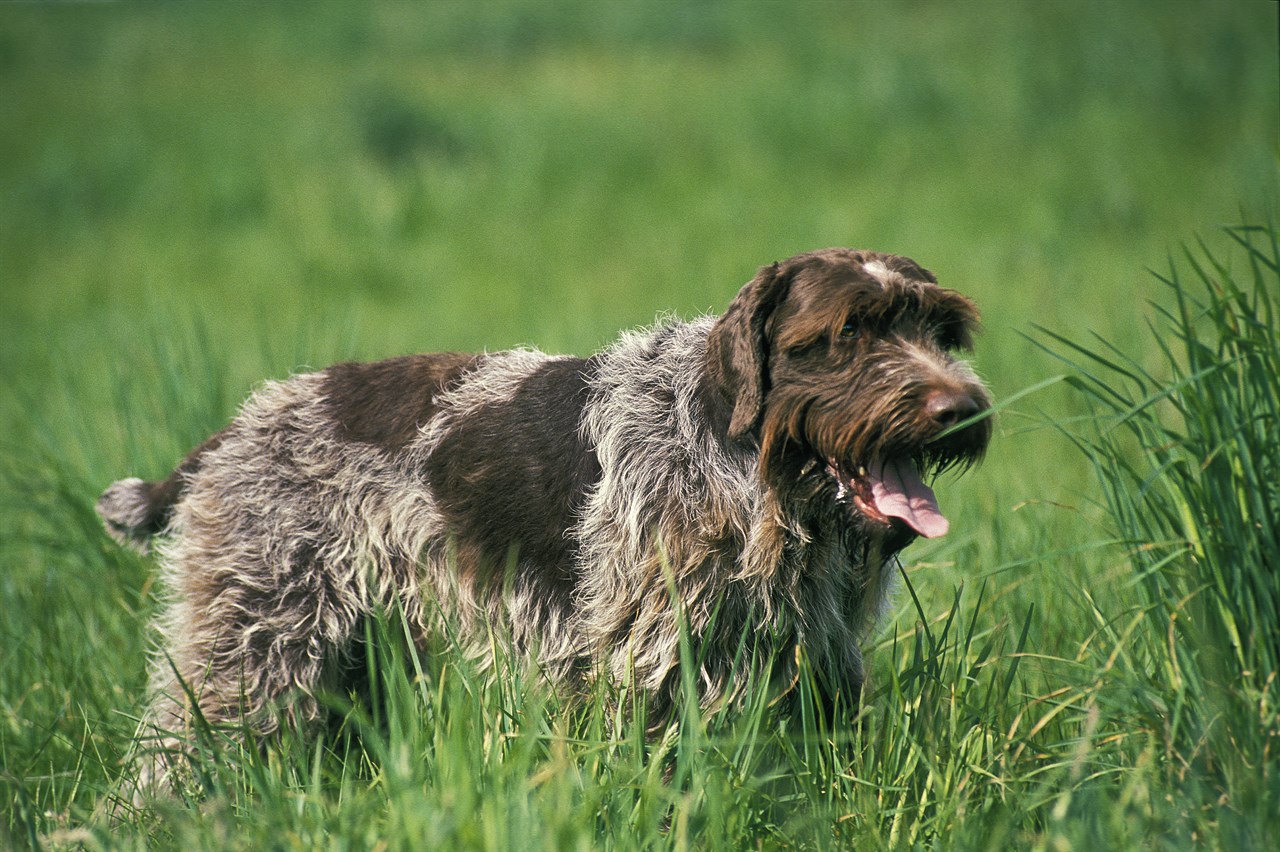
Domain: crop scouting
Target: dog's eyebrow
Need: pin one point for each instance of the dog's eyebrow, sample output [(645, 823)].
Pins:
[(952, 316), (948, 315)]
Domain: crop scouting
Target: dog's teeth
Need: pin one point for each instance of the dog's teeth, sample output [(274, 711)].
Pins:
[(862, 470)]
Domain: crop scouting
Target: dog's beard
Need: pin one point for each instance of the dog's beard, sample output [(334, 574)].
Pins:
[(881, 484), (874, 468)]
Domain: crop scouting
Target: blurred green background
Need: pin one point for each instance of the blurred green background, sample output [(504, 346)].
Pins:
[(262, 188), (195, 196), (464, 175)]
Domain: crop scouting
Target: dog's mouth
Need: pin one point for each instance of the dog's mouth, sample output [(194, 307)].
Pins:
[(891, 489)]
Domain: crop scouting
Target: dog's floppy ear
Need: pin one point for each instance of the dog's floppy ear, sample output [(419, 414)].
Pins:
[(738, 347)]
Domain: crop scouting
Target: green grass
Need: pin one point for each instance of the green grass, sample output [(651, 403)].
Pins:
[(1189, 466), (196, 198)]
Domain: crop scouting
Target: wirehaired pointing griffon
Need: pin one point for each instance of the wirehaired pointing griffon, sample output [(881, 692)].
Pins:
[(752, 475)]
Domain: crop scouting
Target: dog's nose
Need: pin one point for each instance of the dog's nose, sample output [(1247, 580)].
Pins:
[(948, 407)]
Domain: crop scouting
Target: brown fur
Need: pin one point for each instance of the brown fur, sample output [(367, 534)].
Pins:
[(386, 403)]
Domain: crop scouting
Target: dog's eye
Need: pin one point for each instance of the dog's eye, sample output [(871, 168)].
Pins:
[(850, 330), (953, 338)]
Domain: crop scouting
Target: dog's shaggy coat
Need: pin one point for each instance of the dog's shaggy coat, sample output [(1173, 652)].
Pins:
[(752, 475)]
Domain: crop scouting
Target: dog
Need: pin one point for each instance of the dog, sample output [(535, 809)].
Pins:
[(748, 479)]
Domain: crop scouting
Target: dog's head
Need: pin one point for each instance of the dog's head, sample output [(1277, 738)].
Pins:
[(843, 368)]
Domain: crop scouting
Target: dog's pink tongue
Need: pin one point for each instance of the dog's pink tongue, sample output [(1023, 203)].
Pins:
[(899, 492)]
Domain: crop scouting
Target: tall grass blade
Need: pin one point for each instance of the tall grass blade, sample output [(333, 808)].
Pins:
[(1190, 471)]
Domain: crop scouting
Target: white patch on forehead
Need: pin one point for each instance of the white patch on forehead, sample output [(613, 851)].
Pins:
[(878, 271)]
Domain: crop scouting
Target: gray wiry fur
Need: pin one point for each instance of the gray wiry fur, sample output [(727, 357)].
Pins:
[(670, 481), (283, 532)]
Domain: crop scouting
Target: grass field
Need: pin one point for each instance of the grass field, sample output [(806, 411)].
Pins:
[(198, 196)]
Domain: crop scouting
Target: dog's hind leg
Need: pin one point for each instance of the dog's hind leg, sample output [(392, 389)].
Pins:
[(252, 626)]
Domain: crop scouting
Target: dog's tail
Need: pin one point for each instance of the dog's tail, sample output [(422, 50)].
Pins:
[(134, 510)]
